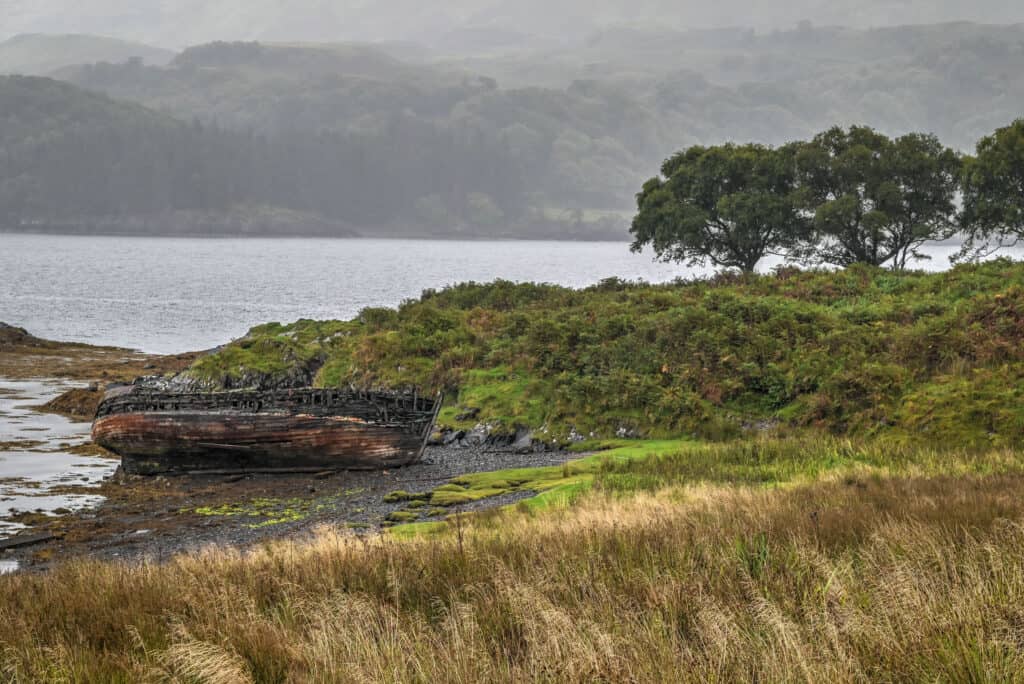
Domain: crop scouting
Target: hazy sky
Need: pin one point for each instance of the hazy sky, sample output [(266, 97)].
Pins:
[(176, 23)]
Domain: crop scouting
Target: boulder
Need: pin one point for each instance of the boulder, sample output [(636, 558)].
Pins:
[(468, 414), (475, 437), (523, 442)]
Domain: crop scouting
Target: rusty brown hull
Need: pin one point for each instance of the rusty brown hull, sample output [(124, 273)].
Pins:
[(177, 441)]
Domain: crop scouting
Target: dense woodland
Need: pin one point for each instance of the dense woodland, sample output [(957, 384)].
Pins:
[(484, 141)]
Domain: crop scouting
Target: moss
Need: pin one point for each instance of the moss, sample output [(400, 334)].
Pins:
[(402, 495), (453, 487), (568, 478), (268, 511), (402, 516)]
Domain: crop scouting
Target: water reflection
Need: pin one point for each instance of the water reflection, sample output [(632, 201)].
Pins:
[(38, 472)]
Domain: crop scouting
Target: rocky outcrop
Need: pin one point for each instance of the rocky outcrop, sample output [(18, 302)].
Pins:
[(522, 441), (13, 335)]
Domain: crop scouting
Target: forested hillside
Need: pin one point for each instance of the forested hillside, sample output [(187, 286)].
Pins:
[(78, 160), (492, 144), (400, 140)]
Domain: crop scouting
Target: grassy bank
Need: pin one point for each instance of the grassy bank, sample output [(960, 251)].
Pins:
[(856, 352), (667, 568)]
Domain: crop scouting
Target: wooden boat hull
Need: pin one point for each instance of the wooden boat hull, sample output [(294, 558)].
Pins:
[(302, 431), (181, 442)]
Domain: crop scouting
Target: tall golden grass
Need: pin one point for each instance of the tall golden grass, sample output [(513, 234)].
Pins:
[(849, 579)]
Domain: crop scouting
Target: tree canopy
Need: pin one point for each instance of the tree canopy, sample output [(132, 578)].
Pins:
[(875, 200), (730, 205), (846, 197), (993, 191)]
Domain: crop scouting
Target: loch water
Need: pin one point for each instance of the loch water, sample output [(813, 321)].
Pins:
[(167, 295)]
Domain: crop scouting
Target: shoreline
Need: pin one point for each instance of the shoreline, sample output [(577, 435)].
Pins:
[(153, 519)]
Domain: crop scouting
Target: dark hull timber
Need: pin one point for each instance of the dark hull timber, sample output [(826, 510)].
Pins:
[(284, 431)]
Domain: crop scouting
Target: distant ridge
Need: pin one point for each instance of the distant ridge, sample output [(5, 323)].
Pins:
[(42, 54), (185, 22)]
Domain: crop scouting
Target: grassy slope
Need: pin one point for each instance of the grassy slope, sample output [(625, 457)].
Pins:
[(860, 352), (664, 570)]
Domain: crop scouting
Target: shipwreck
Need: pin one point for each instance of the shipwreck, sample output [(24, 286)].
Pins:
[(296, 430)]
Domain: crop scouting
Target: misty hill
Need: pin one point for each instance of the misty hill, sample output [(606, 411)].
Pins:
[(81, 161), (398, 140), (458, 147), (185, 22), (39, 55)]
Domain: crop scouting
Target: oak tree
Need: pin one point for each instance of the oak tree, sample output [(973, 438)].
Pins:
[(876, 200), (729, 205)]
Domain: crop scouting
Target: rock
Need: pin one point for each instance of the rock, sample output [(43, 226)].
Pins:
[(468, 414), (453, 436), (475, 437), (10, 334), (523, 442)]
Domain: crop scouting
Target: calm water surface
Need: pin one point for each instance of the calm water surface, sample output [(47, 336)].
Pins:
[(170, 295), (180, 294)]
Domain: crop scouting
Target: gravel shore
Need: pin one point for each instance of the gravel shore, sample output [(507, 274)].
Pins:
[(156, 518)]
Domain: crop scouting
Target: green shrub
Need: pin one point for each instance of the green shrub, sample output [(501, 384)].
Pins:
[(858, 351)]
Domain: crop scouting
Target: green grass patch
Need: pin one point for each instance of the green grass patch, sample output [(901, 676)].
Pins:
[(627, 468), (402, 516), (419, 529), (402, 495)]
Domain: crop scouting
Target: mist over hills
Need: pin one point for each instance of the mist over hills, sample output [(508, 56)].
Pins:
[(41, 54), (177, 23), (487, 119)]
